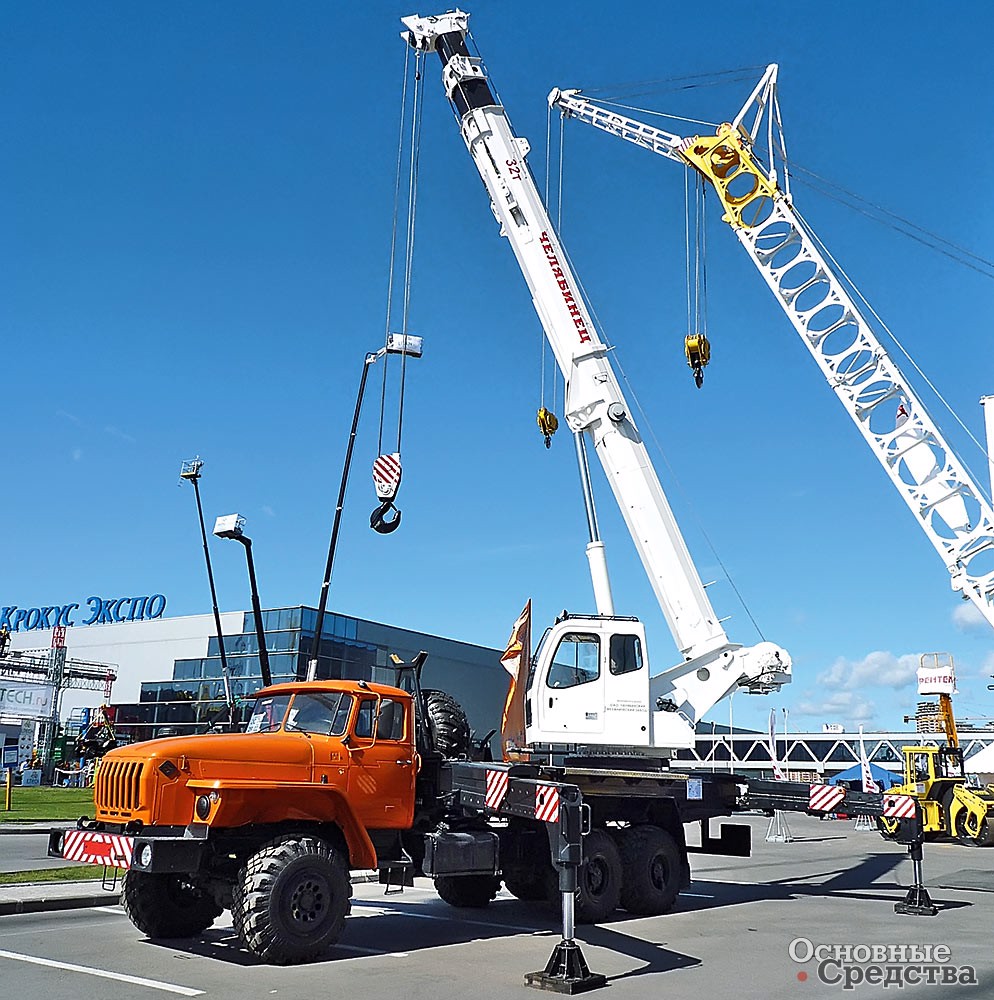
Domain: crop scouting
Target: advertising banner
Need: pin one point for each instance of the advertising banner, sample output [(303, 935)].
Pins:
[(936, 679), (26, 700)]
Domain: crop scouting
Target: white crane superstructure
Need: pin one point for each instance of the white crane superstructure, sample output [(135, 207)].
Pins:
[(603, 695)]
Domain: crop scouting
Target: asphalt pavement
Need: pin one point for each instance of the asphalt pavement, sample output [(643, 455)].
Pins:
[(737, 928)]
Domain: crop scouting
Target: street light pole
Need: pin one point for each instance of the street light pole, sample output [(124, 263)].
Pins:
[(396, 344), (233, 526), (190, 471)]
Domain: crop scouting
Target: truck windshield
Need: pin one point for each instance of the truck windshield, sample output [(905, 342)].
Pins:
[(324, 712), (267, 715)]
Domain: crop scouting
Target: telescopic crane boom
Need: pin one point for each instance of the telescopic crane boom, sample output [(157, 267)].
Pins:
[(600, 658), (947, 504)]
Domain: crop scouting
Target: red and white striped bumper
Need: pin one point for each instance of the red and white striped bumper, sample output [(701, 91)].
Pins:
[(98, 848)]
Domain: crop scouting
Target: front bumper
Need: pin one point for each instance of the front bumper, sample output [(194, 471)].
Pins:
[(147, 851)]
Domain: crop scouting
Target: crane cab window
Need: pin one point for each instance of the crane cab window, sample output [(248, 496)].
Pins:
[(626, 654), (577, 661)]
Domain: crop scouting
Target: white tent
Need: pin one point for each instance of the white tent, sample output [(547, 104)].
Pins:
[(981, 762)]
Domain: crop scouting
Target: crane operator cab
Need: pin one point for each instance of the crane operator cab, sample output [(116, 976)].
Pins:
[(589, 683)]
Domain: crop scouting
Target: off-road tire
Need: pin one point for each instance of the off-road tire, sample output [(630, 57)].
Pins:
[(467, 890), (599, 879), (291, 900), (652, 869), (448, 724), (164, 905)]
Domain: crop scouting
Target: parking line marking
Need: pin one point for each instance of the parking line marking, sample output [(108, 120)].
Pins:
[(154, 984), (118, 911)]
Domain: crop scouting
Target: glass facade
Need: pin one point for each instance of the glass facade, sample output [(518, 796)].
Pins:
[(350, 648)]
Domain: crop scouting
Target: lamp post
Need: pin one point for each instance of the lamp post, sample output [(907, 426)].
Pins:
[(233, 526), (397, 343), (190, 471)]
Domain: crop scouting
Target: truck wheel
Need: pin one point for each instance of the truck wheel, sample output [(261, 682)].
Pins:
[(652, 866), (599, 879), (291, 900), (467, 890), (448, 724), (164, 905)]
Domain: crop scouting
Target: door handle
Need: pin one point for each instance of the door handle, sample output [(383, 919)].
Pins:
[(402, 763)]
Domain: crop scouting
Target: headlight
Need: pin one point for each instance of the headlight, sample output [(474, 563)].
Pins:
[(145, 856), (203, 807)]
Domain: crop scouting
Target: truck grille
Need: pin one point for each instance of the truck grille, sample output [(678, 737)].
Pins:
[(119, 786)]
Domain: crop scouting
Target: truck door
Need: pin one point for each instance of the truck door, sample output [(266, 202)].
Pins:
[(381, 769), (571, 699)]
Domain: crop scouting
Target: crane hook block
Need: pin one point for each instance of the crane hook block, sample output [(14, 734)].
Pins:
[(697, 347), (547, 424), (386, 476), (378, 519)]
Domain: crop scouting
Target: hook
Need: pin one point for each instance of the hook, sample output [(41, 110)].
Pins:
[(378, 521)]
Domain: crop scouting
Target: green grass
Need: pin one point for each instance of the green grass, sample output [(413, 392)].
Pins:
[(39, 805), (71, 873)]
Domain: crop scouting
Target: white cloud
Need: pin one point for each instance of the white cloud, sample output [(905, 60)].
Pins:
[(848, 707), (967, 618), (268, 511), (876, 668), (77, 454)]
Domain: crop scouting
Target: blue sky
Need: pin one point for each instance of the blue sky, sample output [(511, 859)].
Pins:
[(197, 211)]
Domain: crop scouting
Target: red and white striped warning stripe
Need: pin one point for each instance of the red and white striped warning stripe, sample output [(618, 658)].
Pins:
[(824, 798), (496, 789), (386, 475), (899, 806), (547, 803), (98, 848)]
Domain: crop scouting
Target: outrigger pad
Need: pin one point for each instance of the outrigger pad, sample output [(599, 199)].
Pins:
[(917, 903), (566, 972)]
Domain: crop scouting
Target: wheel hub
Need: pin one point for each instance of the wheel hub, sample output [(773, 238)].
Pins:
[(308, 902), (659, 872)]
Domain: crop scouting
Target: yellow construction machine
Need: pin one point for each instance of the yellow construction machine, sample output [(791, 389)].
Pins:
[(935, 775)]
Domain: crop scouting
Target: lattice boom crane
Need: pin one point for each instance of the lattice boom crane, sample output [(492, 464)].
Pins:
[(947, 504)]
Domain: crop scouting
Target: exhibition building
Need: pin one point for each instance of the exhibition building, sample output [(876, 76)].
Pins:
[(164, 675)]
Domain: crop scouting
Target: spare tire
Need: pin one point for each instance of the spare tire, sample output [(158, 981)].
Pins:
[(448, 723)]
